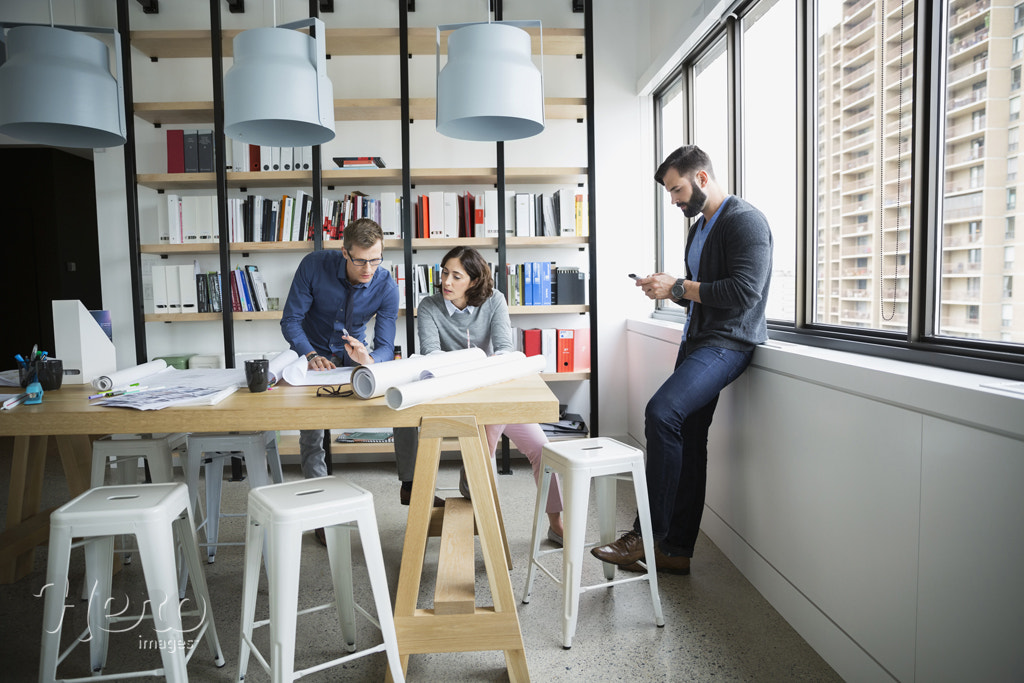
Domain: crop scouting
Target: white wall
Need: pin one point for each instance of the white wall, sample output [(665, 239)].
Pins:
[(875, 504)]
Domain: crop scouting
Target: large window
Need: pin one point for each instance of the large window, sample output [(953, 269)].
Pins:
[(769, 179), (903, 212)]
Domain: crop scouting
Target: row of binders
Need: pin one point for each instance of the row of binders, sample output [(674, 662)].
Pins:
[(191, 151), (186, 289), (536, 283), (450, 214), (564, 350)]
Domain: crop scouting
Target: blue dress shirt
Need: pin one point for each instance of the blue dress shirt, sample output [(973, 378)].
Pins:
[(322, 302)]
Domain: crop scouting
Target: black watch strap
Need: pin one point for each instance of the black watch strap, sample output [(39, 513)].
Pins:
[(678, 290)]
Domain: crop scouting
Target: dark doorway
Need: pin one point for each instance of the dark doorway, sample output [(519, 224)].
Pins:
[(51, 250)]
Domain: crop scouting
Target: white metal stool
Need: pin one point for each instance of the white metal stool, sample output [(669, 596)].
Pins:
[(577, 462), (278, 515), (259, 450), (123, 453), (158, 515)]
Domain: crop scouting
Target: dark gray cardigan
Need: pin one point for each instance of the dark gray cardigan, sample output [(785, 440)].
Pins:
[(735, 271)]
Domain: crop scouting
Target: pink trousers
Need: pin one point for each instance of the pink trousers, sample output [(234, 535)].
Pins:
[(530, 440)]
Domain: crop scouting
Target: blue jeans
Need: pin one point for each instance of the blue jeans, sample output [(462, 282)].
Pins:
[(678, 418)]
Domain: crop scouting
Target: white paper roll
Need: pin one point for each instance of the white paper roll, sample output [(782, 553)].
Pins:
[(123, 378), (279, 362), (454, 369), (369, 381), (414, 393)]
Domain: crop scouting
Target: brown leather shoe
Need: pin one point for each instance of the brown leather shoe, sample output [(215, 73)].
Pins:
[(405, 495), (663, 563), (626, 550)]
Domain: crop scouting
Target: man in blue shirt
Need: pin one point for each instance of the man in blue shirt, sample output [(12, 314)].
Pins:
[(725, 289), (334, 294)]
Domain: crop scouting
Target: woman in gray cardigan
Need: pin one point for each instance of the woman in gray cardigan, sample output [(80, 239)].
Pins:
[(468, 311)]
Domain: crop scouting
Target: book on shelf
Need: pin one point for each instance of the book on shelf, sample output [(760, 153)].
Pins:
[(366, 436), (214, 291), (359, 162), (259, 287), (175, 150), (204, 147), (190, 145)]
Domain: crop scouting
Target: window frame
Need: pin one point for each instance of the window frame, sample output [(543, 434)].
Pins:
[(919, 344)]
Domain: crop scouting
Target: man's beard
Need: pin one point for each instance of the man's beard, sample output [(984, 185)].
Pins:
[(697, 200)]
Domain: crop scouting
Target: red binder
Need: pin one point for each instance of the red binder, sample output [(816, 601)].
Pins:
[(254, 157), (531, 342), (565, 351), (581, 350), (175, 150)]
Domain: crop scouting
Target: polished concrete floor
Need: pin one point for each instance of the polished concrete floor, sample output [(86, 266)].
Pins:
[(717, 626)]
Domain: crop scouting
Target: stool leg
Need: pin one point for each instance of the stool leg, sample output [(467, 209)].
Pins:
[(185, 533), (576, 487), (255, 455), (57, 562), (284, 546), (604, 491), (128, 473), (339, 554), (161, 465), (214, 471), (644, 511), (99, 570), (156, 549), (254, 539), (374, 558), (274, 458), (538, 517), (99, 468)]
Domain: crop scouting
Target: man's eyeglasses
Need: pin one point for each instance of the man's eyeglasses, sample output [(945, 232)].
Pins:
[(333, 391), (363, 262)]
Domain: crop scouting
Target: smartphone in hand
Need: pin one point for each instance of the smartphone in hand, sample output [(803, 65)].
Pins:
[(634, 276)]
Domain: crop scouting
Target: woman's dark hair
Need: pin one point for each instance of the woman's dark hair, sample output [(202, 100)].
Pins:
[(478, 270)]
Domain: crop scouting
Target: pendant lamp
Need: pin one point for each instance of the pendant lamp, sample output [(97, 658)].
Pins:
[(489, 89), (277, 92), (56, 87)]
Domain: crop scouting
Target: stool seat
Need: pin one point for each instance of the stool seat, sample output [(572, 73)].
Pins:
[(577, 462), (159, 516), (278, 516)]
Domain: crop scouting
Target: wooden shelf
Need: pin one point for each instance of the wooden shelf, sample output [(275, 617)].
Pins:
[(342, 42), (370, 176), (242, 247), (382, 109), (564, 376), (562, 308)]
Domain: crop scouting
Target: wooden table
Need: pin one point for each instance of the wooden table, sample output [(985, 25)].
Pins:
[(67, 415)]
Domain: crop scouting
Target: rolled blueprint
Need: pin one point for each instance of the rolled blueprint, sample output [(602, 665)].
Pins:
[(369, 381), (279, 363), (454, 369), (414, 393), (123, 378)]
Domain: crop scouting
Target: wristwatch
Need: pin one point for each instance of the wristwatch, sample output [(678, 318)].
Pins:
[(311, 355), (677, 290)]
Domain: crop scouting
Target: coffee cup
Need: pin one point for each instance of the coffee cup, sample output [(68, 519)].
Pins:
[(257, 374)]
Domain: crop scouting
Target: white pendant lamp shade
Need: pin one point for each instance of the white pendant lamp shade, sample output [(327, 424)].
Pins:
[(277, 92), (490, 89), (56, 89)]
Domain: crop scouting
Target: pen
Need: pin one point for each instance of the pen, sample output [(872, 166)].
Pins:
[(14, 400), (21, 361), (117, 392)]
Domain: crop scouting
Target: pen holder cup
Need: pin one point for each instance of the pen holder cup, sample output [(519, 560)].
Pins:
[(48, 372), (257, 374)]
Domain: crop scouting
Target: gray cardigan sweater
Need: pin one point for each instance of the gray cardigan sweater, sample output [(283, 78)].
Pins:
[(735, 272), (488, 326)]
